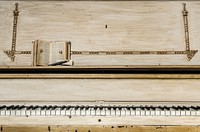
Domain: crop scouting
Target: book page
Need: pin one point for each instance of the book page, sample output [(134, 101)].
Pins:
[(34, 57), (43, 52), (58, 51)]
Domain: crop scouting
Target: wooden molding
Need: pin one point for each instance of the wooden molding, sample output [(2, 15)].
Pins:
[(99, 76), (101, 128)]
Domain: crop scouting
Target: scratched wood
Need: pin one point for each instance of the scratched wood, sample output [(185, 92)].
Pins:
[(121, 128), (99, 128), (103, 26)]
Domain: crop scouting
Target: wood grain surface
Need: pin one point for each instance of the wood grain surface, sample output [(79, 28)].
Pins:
[(105, 121), (119, 128), (166, 90), (103, 26)]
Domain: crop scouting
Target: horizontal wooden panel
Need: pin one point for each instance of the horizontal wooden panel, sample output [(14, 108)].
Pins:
[(99, 89), (100, 76), (120, 128), (105, 121)]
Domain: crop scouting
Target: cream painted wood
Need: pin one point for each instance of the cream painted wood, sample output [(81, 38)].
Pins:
[(131, 25), (101, 102), (104, 120), (100, 90), (100, 76)]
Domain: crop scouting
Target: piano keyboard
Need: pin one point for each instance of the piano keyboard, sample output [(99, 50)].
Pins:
[(85, 110)]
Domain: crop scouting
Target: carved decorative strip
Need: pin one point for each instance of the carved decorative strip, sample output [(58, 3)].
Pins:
[(11, 53)]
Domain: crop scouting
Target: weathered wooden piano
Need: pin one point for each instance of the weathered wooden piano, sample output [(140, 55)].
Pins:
[(84, 66)]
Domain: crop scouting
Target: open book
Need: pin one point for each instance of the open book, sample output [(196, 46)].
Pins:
[(51, 52)]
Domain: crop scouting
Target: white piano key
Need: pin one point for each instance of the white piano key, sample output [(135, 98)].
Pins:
[(173, 113), (128, 112), (7, 112), (118, 112), (48, 112), (158, 112), (23, 113), (142, 112), (113, 112), (83, 112), (53, 112), (28, 112), (153, 112), (193, 113), (33, 112), (3, 112), (178, 113), (37, 112), (103, 112), (183, 113), (68, 112), (162, 113), (62, 112), (98, 113), (133, 112), (72, 112), (87, 112), (78, 112), (57, 112), (138, 113), (167, 113), (43, 112), (198, 113), (148, 113), (123, 112), (12, 112), (188, 113), (108, 112), (93, 112)]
